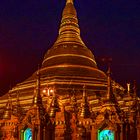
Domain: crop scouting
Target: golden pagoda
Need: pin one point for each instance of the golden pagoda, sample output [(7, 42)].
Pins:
[(68, 97)]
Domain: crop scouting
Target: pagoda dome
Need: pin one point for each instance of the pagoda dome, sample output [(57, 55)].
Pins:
[(68, 64), (69, 56)]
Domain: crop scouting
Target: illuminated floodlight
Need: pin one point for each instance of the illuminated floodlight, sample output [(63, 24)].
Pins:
[(44, 91), (51, 90)]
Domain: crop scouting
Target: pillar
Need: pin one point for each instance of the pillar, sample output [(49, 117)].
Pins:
[(138, 132), (21, 135), (94, 133), (121, 133)]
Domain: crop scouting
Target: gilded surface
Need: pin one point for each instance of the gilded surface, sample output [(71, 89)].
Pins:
[(53, 102)]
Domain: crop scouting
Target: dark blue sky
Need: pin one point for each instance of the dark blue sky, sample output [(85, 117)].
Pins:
[(29, 28)]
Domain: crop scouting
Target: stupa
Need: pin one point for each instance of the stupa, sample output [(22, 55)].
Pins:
[(68, 97), (67, 65)]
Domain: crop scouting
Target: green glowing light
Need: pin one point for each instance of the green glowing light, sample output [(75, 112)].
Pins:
[(106, 135), (28, 134)]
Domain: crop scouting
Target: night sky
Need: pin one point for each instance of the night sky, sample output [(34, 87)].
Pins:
[(110, 28)]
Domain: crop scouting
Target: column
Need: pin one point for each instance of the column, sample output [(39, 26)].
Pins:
[(121, 133), (138, 132), (21, 135), (94, 133)]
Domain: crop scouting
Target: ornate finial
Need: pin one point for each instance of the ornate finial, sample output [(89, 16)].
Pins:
[(84, 91), (37, 97), (128, 87), (69, 1), (69, 29), (8, 111), (74, 103), (109, 88), (85, 111), (54, 107)]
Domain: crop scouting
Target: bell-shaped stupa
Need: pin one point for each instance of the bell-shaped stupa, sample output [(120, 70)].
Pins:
[(67, 65)]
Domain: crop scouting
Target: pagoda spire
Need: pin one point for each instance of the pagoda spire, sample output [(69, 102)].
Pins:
[(69, 31), (110, 98), (128, 88), (54, 107), (8, 110), (85, 111), (69, 1), (37, 100), (109, 86), (74, 103)]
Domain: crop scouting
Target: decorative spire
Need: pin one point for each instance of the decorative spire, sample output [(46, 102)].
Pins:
[(110, 96), (74, 103), (111, 99), (69, 1), (85, 112), (8, 111), (54, 107), (69, 31), (37, 100), (109, 86), (128, 88)]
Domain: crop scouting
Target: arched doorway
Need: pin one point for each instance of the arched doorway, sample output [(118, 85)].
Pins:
[(28, 134), (106, 135)]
